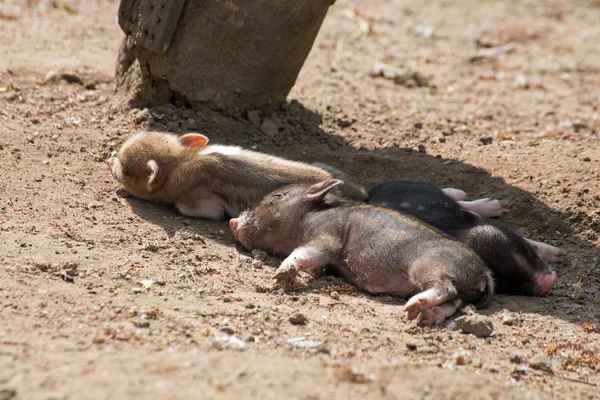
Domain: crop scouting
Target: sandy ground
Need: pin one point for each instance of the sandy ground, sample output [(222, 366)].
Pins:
[(105, 296)]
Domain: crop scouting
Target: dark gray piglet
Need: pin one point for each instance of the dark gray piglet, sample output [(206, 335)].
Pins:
[(519, 265), (379, 250)]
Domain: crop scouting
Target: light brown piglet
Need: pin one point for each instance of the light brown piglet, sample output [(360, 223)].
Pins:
[(210, 181)]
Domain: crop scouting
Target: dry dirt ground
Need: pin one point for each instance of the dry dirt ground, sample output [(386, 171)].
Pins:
[(105, 296)]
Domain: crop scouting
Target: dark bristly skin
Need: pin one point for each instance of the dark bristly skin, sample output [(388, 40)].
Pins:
[(209, 181), (379, 250), (516, 267)]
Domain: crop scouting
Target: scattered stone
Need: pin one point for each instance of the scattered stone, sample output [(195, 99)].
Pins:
[(228, 342), (136, 290), (421, 148), (519, 371), (540, 362), (493, 53), (68, 272), (461, 357), (515, 359), (303, 343), (250, 306), (587, 159), (187, 222), (508, 320), (335, 295), (422, 30), (254, 117), (257, 263), (152, 248), (478, 325), (353, 374), (521, 82), (268, 127), (298, 319), (68, 77), (141, 324), (400, 76), (227, 330), (411, 346), (259, 254), (486, 140), (142, 116)]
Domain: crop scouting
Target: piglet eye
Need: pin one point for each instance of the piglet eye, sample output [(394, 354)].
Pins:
[(126, 171), (275, 196)]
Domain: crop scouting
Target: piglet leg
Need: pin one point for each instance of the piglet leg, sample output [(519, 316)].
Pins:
[(436, 315), (486, 207), (455, 194), (305, 258), (434, 296), (546, 252)]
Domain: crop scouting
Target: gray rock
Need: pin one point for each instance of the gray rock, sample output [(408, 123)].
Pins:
[(515, 359), (540, 362), (269, 128), (478, 325), (141, 324), (227, 329), (254, 117), (509, 321), (298, 319)]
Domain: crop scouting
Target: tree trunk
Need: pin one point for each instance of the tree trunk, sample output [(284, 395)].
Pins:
[(230, 55)]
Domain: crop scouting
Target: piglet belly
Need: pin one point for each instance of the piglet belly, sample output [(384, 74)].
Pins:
[(378, 279)]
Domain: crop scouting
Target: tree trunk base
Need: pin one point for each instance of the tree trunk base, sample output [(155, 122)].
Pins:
[(233, 56)]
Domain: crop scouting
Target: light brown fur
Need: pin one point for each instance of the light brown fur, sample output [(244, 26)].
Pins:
[(209, 181)]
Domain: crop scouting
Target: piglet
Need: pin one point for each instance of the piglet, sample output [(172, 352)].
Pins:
[(519, 265), (379, 250), (209, 181)]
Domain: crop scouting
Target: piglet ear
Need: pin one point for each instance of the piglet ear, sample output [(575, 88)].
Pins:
[(157, 175), (470, 216), (193, 140), (317, 192)]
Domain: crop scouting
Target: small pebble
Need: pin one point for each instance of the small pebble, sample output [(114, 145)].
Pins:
[(259, 254), (141, 324), (486, 140), (509, 321), (515, 359), (518, 372), (227, 329), (136, 290), (411, 346), (540, 362), (187, 222), (298, 319), (335, 295), (478, 325)]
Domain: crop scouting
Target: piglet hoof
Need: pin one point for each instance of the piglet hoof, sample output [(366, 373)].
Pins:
[(486, 207), (286, 274), (550, 253), (432, 316), (415, 306)]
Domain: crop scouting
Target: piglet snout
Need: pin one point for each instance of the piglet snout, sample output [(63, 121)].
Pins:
[(114, 166), (545, 282), (235, 225)]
